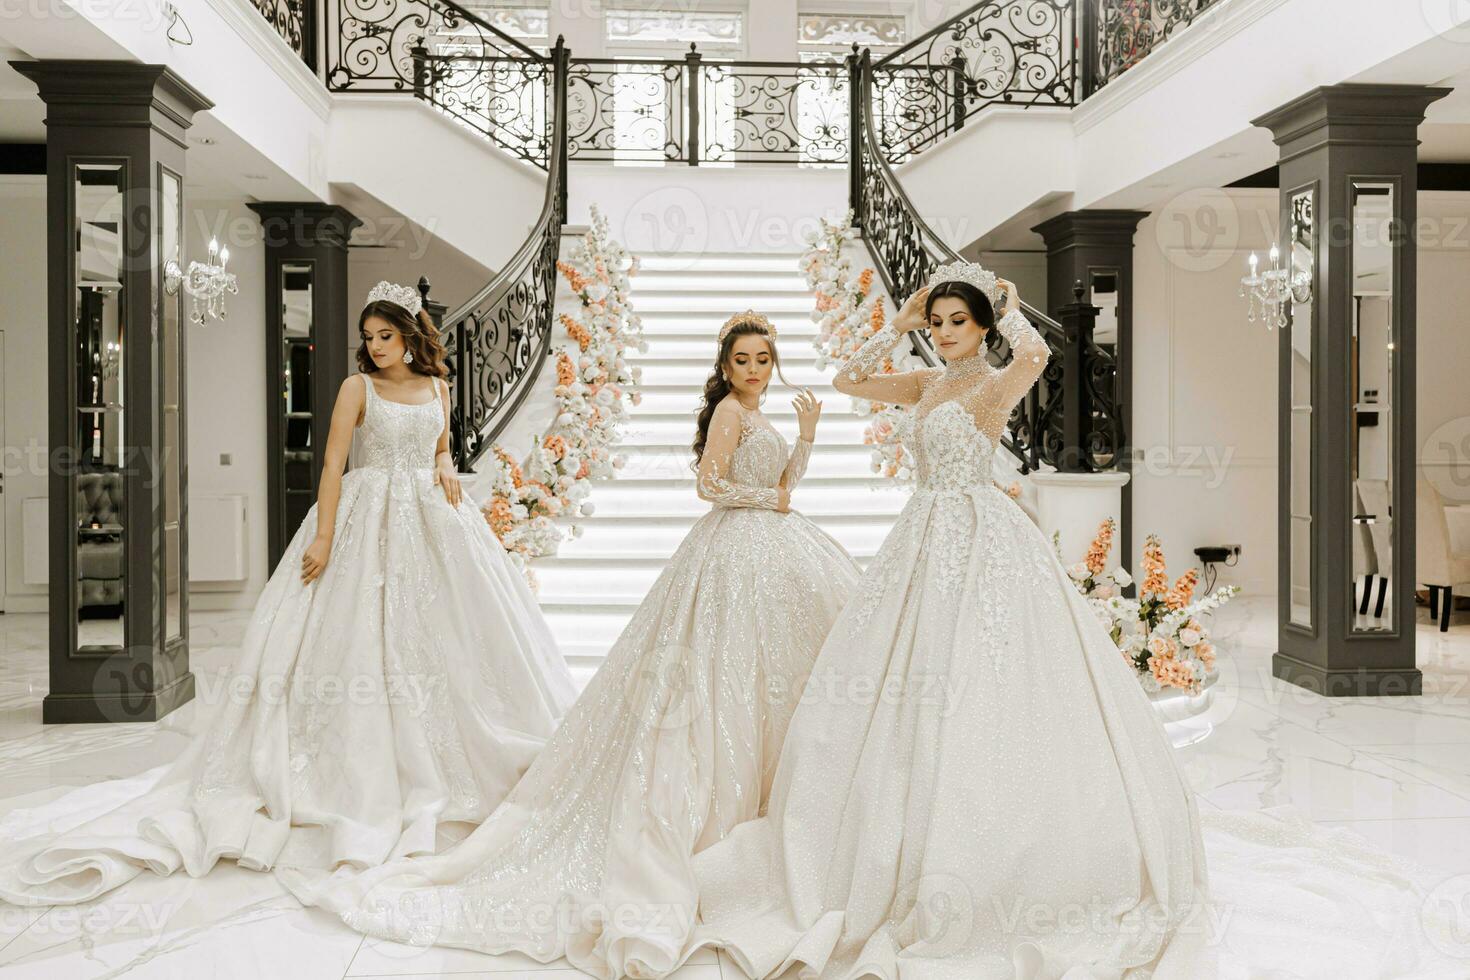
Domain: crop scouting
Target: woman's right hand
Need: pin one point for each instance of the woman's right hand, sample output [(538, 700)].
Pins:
[(314, 559), (911, 314)]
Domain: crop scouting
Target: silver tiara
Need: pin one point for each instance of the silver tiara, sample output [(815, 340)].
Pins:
[(968, 272), (405, 296)]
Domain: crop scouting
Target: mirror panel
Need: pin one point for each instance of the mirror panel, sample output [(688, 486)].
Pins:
[(1297, 349), (1370, 436), (170, 224), (101, 333), (298, 351)]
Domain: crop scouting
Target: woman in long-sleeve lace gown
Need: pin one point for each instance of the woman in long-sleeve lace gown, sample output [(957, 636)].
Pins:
[(674, 741), (1007, 806), (394, 682)]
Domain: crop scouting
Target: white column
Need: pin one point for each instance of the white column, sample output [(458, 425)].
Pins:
[(1075, 504)]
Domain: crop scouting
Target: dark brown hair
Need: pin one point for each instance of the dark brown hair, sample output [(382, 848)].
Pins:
[(717, 387), (981, 309), (418, 333)]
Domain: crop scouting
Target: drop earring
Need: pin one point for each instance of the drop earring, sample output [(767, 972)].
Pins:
[(408, 357)]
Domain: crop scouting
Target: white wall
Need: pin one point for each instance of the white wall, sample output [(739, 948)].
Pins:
[(1442, 396), (23, 319), (1204, 390), (662, 210), (227, 390)]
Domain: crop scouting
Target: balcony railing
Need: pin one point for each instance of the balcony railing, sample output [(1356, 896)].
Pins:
[(1121, 33), (295, 21)]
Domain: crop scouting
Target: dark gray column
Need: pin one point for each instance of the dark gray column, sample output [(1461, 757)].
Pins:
[(119, 481), (309, 328), (1095, 248), (1348, 171)]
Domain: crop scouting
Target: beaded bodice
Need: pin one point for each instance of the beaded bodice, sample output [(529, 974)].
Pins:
[(399, 436)]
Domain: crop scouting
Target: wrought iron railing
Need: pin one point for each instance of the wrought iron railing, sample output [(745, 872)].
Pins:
[(907, 249), (634, 110), (506, 100), (694, 111), (295, 21), (370, 43), (1016, 52), (1120, 33), (499, 340)]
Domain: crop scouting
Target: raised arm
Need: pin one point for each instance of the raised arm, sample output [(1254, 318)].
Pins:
[(714, 483), (1029, 354), (808, 412), (860, 376)]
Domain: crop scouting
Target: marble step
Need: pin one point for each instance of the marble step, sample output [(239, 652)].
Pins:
[(696, 325), (715, 262), (725, 303), (734, 280)]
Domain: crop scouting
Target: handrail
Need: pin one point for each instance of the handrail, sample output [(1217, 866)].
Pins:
[(510, 318), (932, 33)]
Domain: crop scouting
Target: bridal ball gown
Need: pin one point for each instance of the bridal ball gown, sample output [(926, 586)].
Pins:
[(673, 743), (393, 701), (978, 788)]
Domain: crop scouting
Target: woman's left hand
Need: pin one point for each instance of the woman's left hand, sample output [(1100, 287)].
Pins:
[(808, 411), (446, 477), (1013, 298)]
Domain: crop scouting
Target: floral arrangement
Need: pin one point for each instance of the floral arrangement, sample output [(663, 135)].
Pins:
[(534, 503), (1163, 634), (849, 311)]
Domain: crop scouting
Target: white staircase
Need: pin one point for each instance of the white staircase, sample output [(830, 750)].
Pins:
[(590, 589)]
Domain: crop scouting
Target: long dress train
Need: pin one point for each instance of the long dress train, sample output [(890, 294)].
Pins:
[(1004, 802), (378, 712), (674, 741)]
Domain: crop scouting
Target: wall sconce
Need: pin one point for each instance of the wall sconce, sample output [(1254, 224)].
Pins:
[(1270, 292), (204, 281)]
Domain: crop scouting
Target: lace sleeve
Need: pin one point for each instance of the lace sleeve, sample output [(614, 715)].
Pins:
[(860, 376), (801, 452), (714, 464), (1029, 354)]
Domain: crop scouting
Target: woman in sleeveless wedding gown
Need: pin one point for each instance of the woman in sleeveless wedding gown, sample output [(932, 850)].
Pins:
[(394, 698), (674, 741), (1006, 805)]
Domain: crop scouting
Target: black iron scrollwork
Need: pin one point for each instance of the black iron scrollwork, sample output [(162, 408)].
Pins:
[(499, 340), (1008, 51), (295, 21), (1128, 30)]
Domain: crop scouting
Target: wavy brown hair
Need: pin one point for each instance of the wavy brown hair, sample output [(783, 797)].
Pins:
[(716, 387), (418, 333)]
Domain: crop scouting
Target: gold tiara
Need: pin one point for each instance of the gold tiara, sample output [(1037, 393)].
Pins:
[(751, 318)]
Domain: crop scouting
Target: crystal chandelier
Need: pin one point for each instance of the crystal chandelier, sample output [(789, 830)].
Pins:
[(205, 282), (1272, 291)]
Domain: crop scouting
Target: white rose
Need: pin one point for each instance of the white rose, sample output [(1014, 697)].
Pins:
[(588, 508), (1079, 572), (1189, 637), (1121, 576), (518, 511)]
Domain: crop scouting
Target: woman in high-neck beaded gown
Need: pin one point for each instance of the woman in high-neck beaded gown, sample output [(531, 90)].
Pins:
[(1008, 806), (394, 682), (674, 741)]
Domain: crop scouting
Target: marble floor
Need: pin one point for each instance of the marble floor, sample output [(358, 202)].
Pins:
[(1395, 770)]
